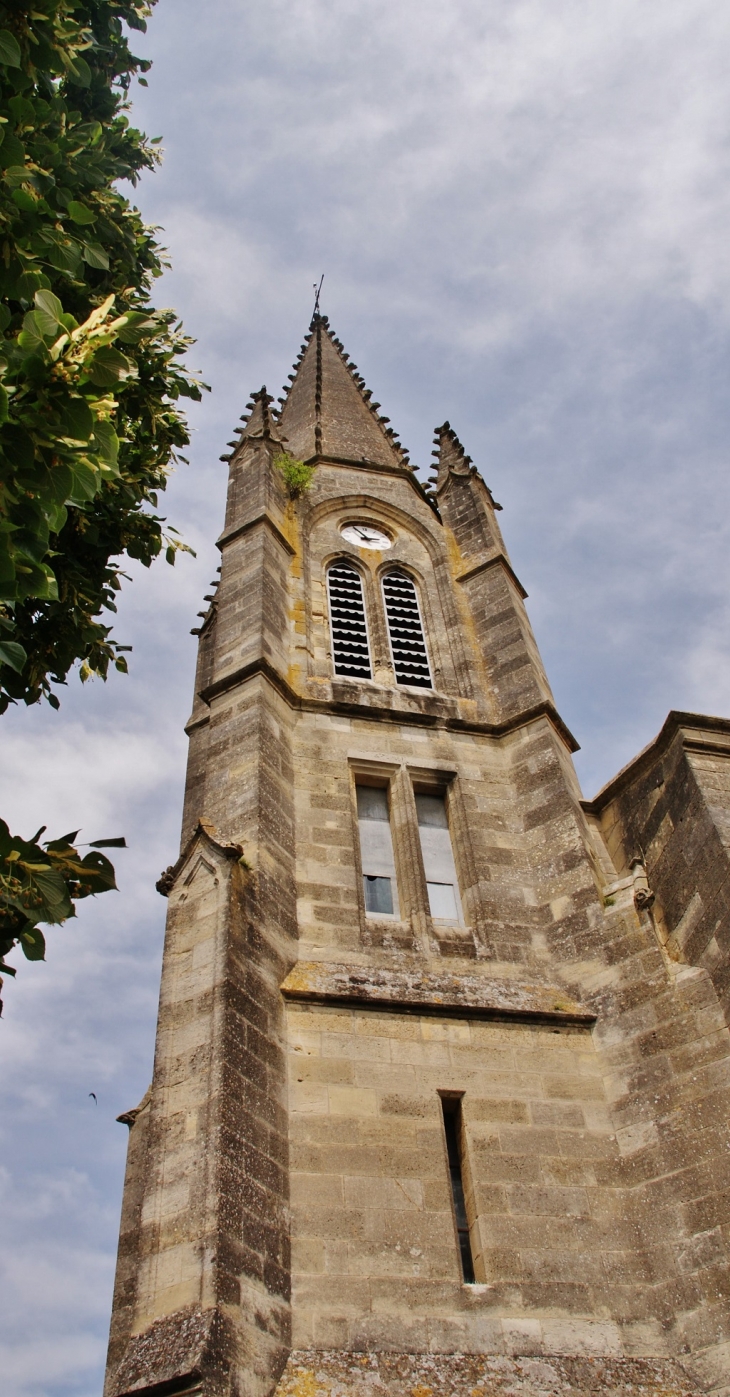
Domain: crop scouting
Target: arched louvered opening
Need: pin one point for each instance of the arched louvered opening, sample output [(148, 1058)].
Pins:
[(407, 642), (350, 648)]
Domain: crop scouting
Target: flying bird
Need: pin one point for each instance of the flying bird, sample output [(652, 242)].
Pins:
[(93, 1093)]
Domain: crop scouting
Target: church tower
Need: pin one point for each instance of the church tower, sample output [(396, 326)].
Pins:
[(441, 1093)]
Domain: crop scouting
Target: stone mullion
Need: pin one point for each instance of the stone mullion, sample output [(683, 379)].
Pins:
[(466, 865), (409, 860)]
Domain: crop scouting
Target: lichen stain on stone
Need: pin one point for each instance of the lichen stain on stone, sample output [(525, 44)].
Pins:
[(332, 1373)]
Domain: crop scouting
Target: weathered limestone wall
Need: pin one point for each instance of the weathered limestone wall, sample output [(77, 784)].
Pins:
[(375, 1262)]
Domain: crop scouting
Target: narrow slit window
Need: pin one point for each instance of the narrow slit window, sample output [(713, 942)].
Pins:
[(438, 859), (350, 646), (376, 852), (405, 628), (454, 1131)]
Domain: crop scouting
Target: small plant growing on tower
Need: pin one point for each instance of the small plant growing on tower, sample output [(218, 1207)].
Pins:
[(297, 475)]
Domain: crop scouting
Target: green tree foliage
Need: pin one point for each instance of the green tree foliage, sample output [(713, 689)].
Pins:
[(90, 376), (91, 373), (39, 883)]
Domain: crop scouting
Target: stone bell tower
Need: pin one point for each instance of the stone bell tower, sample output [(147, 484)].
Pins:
[(441, 1094)]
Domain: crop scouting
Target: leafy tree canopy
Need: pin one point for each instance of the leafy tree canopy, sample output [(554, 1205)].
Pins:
[(90, 383), (90, 372)]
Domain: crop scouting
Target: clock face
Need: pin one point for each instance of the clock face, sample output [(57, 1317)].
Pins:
[(365, 536)]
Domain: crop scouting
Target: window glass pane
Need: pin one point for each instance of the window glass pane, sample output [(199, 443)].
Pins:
[(438, 858), (378, 895), (442, 901), (372, 803), (432, 811), (376, 851)]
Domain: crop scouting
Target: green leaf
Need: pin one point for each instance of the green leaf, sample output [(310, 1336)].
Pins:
[(13, 654), (23, 110), (39, 581), (12, 157), (80, 72), (107, 442), (28, 284), (110, 367), (139, 326), (80, 214), (66, 841), (9, 49), (90, 131), (24, 201), (4, 316), (31, 337), (33, 944), (101, 871), (60, 480), (48, 314), (108, 843), (65, 256), (76, 420), (4, 401), (96, 256), (85, 483), (57, 516)]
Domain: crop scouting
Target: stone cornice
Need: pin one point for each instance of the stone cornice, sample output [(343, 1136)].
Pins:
[(499, 559), (397, 716), (263, 518), (484, 995)]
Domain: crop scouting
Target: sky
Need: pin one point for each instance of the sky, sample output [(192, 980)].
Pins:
[(520, 208)]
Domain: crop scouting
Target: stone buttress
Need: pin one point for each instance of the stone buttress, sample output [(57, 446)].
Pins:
[(396, 1143)]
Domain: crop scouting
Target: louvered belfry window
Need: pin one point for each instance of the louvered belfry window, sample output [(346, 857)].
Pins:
[(407, 642), (350, 648)]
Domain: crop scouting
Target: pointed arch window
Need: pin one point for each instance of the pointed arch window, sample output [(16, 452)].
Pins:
[(350, 645), (405, 628)]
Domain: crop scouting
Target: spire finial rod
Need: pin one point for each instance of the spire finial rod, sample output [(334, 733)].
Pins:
[(317, 290)]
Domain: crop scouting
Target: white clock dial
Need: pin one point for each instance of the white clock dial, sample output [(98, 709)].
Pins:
[(365, 536)]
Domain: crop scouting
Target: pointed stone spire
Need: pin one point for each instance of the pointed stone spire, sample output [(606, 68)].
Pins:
[(327, 411), (451, 459)]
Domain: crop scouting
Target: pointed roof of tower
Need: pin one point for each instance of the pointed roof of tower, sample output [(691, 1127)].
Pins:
[(327, 410)]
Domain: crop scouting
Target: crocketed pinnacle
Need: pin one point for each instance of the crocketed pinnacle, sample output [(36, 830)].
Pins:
[(451, 459), (327, 410), (258, 422)]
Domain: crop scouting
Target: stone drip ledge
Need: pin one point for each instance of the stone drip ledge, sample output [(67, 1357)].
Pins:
[(475, 996), (340, 1374)]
